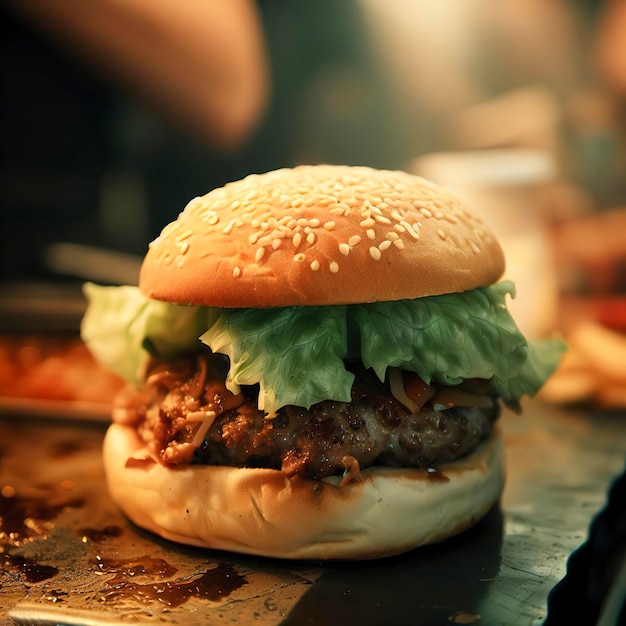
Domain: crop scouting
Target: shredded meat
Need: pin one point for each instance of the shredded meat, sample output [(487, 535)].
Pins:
[(187, 415)]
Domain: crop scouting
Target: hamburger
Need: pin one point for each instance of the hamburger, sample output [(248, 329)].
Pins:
[(316, 360)]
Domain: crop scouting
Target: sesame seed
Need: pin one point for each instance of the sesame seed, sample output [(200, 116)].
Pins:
[(329, 226), (314, 223), (425, 212), (254, 237), (236, 271), (211, 217), (451, 218), (297, 239), (400, 228), (397, 216), (398, 243), (334, 267), (381, 219), (344, 248), (311, 238), (184, 235), (276, 243), (259, 254), (355, 240), (442, 234), (392, 236), (410, 230), (383, 245), (264, 241), (325, 201), (255, 223), (264, 225), (371, 233), (298, 258), (475, 248), (367, 223), (338, 210), (302, 221), (375, 253), (184, 247), (315, 265)]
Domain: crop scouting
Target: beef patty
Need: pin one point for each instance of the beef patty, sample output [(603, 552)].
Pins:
[(187, 416)]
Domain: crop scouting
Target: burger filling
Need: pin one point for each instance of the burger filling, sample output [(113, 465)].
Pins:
[(186, 415), (315, 391)]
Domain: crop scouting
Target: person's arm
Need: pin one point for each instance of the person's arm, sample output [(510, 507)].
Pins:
[(202, 62)]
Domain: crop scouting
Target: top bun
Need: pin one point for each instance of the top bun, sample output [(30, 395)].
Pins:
[(320, 235)]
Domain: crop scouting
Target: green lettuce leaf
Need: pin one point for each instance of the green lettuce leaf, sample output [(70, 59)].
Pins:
[(295, 354), (123, 328), (543, 359), (444, 338)]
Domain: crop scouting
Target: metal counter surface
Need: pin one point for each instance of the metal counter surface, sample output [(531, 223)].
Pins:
[(68, 556)]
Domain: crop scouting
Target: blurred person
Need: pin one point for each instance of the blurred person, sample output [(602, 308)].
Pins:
[(197, 93), (201, 64)]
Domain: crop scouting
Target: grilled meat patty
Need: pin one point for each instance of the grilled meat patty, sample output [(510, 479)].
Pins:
[(187, 416)]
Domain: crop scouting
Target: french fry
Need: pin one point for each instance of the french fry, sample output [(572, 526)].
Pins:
[(603, 349), (566, 386)]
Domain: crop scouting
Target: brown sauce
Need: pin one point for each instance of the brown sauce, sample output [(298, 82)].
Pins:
[(213, 585), (143, 565), (31, 571), (436, 476), (133, 463)]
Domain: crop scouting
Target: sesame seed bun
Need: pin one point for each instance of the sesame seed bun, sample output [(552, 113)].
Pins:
[(263, 512), (320, 235)]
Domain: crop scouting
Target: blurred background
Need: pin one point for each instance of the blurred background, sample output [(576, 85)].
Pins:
[(113, 115)]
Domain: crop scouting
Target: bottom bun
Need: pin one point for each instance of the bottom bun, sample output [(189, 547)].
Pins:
[(263, 512)]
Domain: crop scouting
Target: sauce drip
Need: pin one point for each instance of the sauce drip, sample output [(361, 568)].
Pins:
[(214, 585), (143, 565), (31, 571)]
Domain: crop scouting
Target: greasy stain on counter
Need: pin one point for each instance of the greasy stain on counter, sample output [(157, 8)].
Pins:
[(31, 571), (214, 584), (24, 518)]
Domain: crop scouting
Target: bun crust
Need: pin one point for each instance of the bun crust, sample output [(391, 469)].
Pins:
[(320, 235), (262, 512)]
